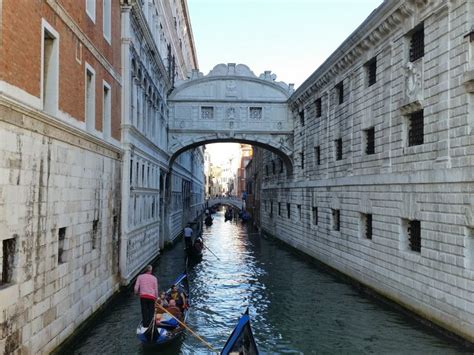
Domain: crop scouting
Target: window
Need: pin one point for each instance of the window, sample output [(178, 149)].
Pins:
[(469, 249), (301, 114), (106, 108), (366, 225), (61, 239), (417, 43), (107, 23), (371, 68), (317, 155), (288, 210), (273, 167), (414, 235), (95, 228), (266, 170), (90, 99), (336, 220), (314, 211), (338, 148), (340, 92), (318, 107), (279, 208), (281, 166), (207, 112), (8, 260), (299, 212), (50, 70), (271, 209), (415, 129), (302, 159), (256, 113), (90, 9), (369, 135)]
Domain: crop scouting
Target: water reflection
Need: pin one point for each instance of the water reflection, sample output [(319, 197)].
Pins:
[(295, 306)]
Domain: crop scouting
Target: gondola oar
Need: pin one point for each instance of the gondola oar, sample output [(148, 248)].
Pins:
[(189, 329), (211, 251)]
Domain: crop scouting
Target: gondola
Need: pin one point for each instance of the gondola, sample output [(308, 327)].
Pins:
[(241, 340), (168, 331), (208, 221)]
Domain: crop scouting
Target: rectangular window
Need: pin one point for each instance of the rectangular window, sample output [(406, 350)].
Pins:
[(207, 112), (273, 167), (107, 23), (318, 107), (301, 114), (340, 92), (90, 99), (90, 9), (302, 159), (281, 166), (416, 128), (95, 229), (315, 215), (338, 148), (256, 113), (61, 240), (50, 70), (336, 220), (271, 209), (369, 141), (417, 43), (371, 70), (288, 210), (366, 225), (279, 208), (8, 260), (266, 170), (469, 249), (299, 212), (414, 235), (317, 155), (106, 111)]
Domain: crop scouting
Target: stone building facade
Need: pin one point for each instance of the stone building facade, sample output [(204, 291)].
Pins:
[(381, 188), (60, 167)]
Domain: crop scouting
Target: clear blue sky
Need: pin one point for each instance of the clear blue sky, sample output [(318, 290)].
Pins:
[(289, 37)]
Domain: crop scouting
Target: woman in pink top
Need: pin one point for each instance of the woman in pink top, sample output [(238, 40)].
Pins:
[(146, 287)]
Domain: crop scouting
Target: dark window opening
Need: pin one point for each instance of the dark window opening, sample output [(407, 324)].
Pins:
[(417, 43), (315, 215), (279, 208), (371, 68), (370, 141), (414, 235), (273, 167), (281, 166), (336, 220), (302, 159), (368, 226), (95, 228), (271, 209), (301, 114), (299, 211), (266, 170), (415, 130), (131, 172), (8, 260), (61, 238), (338, 143), (288, 210), (340, 92), (318, 107), (318, 155)]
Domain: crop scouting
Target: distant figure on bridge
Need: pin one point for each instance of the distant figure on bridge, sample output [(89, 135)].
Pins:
[(188, 236), (146, 287)]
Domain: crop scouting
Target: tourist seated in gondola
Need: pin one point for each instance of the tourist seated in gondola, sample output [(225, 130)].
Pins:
[(174, 310), (198, 245), (163, 300), (178, 297)]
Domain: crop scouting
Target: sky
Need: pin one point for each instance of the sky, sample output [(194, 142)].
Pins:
[(292, 38)]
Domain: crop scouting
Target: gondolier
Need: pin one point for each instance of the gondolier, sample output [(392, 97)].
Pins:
[(146, 287), (188, 236)]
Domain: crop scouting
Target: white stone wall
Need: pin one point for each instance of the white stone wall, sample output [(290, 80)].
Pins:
[(431, 182), (53, 177)]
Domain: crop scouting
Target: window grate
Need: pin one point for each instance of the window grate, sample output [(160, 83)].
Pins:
[(414, 235), (318, 107), (368, 226), (61, 238), (417, 43), (302, 160), (371, 67), (340, 92), (8, 260), (338, 143), (415, 132), (370, 146)]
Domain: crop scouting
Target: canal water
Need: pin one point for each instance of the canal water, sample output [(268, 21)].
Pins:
[(296, 307)]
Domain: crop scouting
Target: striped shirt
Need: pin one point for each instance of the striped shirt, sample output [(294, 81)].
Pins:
[(147, 286)]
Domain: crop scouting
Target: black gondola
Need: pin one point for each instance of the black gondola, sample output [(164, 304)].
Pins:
[(166, 332), (195, 251), (208, 221), (241, 341)]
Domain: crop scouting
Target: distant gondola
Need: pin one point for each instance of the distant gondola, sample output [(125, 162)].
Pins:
[(208, 221), (165, 332), (241, 341)]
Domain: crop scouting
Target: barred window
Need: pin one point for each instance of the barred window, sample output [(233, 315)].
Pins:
[(417, 43), (340, 92), (302, 159), (318, 107), (338, 146), (207, 112), (370, 141), (61, 239), (371, 68), (336, 220), (7, 260), (414, 235), (315, 215), (256, 113), (416, 128), (366, 226)]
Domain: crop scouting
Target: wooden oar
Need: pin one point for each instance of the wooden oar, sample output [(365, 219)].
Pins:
[(204, 245), (187, 328)]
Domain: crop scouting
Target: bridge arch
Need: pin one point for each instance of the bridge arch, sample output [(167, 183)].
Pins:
[(231, 104)]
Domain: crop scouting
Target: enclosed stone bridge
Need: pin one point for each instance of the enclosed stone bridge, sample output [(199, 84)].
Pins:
[(231, 201), (231, 104)]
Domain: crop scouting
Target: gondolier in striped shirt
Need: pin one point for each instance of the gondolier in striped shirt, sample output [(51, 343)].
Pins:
[(146, 287)]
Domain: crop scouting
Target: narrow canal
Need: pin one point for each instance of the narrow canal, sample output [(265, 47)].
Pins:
[(296, 306)]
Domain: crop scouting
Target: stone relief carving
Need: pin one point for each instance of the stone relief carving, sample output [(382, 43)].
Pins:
[(230, 113), (412, 82), (231, 88)]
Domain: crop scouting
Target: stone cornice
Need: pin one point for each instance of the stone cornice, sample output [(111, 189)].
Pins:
[(184, 5), (380, 23)]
